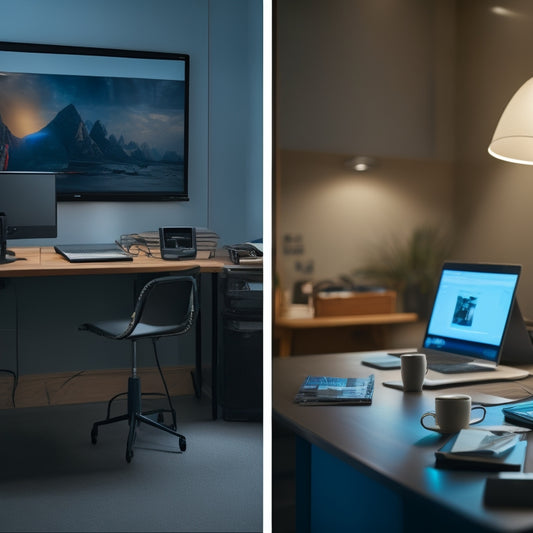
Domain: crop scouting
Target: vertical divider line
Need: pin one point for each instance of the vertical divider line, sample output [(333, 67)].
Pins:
[(209, 184)]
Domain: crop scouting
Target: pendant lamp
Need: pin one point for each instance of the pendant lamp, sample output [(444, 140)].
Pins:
[(513, 137)]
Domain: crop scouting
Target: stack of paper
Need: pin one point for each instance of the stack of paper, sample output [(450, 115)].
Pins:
[(206, 243), (146, 242)]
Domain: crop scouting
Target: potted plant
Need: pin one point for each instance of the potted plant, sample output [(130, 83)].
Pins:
[(411, 267)]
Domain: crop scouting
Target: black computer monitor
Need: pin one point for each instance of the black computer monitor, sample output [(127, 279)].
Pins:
[(28, 208)]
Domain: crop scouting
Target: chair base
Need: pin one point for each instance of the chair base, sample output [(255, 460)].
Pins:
[(135, 416)]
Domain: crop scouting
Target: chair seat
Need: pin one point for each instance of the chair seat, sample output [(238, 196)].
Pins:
[(113, 329)]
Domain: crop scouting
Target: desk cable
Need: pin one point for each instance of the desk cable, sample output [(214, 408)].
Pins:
[(137, 247), (530, 393), (15, 383), (14, 373)]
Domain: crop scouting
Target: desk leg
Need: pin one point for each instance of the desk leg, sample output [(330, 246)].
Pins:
[(379, 334), (197, 372), (211, 283), (285, 342), (216, 314)]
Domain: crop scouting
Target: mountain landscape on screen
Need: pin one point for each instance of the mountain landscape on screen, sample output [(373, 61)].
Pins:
[(69, 144)]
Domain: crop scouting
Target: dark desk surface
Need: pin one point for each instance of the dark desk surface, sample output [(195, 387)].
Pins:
[(385, 440)]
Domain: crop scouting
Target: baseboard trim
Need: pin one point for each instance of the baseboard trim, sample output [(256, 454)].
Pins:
[(87, 386)]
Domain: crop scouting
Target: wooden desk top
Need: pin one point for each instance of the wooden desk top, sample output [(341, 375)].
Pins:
[(386, 441), (46, 262), (352, 320)]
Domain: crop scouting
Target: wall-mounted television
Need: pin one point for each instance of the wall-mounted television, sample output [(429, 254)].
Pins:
[(111, 124)]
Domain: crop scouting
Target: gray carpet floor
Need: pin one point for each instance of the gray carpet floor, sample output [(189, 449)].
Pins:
[(53, 479)]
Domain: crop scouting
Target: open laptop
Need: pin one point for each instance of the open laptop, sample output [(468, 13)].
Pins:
[(468, 324)]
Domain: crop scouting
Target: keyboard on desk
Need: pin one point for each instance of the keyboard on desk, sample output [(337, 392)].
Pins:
[(85, 253), (447, 363)]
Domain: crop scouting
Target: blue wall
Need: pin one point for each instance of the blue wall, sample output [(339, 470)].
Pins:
[(224, 41)]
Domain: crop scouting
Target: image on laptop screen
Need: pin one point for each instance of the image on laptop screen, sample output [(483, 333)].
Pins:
[(472, 306)]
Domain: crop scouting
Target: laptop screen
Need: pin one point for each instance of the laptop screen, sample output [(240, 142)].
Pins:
[(472, 306)]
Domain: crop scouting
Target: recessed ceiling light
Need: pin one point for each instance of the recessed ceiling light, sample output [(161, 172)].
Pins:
[(503, 11), (361, 163)]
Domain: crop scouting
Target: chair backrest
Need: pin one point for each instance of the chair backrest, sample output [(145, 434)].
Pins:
[(166, 306)]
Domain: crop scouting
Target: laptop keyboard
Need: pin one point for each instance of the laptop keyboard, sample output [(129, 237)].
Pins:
[(459, 368), (449, 363), (454, 364), (447, 359)]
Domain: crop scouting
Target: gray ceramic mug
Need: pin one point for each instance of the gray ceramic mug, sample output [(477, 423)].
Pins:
[(452, 413), (413, 369)]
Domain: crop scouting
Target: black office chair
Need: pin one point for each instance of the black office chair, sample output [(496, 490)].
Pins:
[(166, 306)]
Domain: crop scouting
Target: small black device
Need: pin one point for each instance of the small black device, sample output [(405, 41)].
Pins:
[(177, 243), (383, 361)]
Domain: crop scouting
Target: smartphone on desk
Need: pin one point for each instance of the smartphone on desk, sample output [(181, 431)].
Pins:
[(383, 362)]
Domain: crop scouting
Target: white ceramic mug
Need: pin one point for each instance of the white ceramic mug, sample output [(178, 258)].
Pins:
[(414, 369), (452, 413)]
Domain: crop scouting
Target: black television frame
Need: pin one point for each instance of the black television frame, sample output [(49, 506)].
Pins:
[(113, 54)]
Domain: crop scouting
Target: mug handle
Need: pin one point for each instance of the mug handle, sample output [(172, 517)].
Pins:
[(431, 428), (480, 418)]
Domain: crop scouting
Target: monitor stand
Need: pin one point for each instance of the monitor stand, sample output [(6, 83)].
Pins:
[(517, 345), (5, 257)]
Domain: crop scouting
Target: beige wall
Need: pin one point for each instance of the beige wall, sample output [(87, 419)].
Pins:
[(494, 214), (343, 216), (361, 77), (421, 85), (374, 77)]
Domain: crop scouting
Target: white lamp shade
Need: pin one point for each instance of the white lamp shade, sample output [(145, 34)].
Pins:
[(513, 137)]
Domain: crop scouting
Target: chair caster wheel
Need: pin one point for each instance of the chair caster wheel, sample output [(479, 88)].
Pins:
[(94, 435), (183, 444)]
